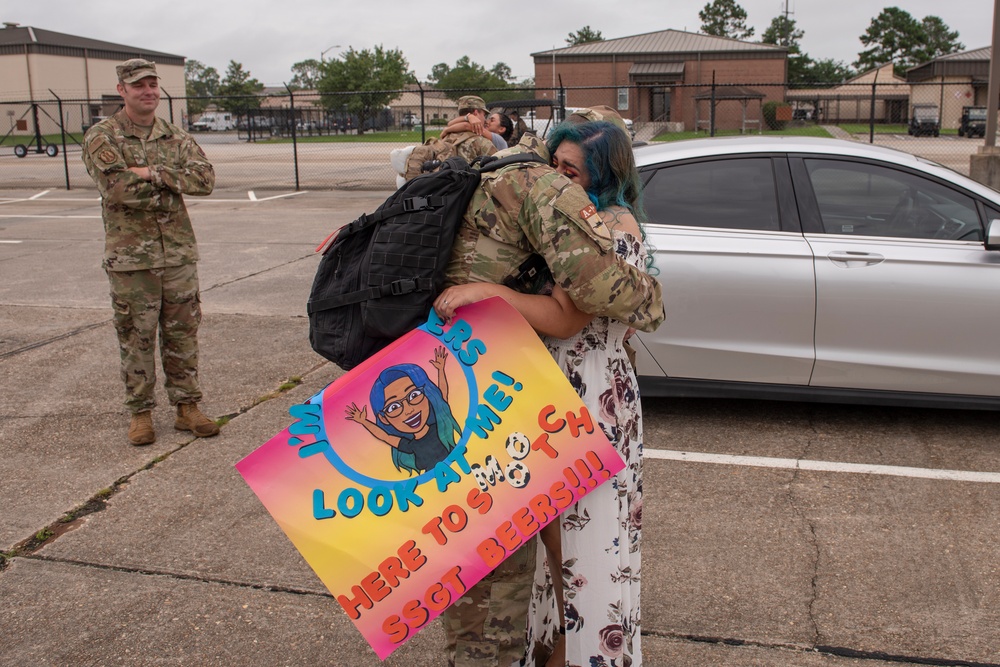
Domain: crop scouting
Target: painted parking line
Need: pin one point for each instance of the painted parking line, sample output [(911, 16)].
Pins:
[(251, 197), (823, 466)]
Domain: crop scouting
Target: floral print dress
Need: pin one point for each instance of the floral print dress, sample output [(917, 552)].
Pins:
[(601, 533)]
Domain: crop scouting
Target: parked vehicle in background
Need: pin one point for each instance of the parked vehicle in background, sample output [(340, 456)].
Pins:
[(798, 268), (925, 119), (214, 120), (973, 122)]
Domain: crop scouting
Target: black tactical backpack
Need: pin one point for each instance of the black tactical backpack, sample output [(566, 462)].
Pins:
[(380, 274)]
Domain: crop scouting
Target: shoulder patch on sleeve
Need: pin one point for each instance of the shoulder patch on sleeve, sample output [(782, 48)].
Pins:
[(105, 156), (574, 203)]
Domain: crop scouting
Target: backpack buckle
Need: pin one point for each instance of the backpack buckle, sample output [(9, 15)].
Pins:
[(403, 286), (415, 204)]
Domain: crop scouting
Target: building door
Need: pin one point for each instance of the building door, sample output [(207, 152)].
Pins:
[(895, 111), (659, 104)]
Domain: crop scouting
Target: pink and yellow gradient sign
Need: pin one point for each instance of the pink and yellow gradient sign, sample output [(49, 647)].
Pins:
[(407, 480)]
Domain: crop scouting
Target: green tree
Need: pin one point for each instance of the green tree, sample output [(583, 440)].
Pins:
[(782, 32), (823, 72), (375, 76), (470, 78), (306, 74), (892, 36), (502, 71), (201, 83), (939, 40), (725, 18), (238, 91), (584, 35)]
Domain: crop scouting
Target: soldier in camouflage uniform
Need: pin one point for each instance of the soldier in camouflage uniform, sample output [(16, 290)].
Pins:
[(142, 166), (470, 144), (517, 212)]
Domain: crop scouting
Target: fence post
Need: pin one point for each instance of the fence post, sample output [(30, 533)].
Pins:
[(711, 111), (423, 115), (295, 143), (62, 134), (871, 114), (170, 106)]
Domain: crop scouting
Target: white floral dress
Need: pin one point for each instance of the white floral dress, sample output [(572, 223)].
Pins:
[(601, 533)]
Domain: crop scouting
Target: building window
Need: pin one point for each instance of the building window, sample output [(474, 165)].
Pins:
[(623, 99)]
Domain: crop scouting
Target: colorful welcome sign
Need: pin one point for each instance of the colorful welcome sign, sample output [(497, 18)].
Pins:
[(407, 480)]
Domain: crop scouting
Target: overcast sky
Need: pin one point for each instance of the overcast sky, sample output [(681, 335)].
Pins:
[(267, 37)]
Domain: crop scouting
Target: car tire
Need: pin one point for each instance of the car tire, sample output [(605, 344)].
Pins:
[(936, 133), (20, 150), (52, 150)]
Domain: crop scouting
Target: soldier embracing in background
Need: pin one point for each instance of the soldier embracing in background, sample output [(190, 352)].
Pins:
[(142, 166)]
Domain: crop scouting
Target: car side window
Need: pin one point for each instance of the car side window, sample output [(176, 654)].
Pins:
[(727, 194), (861, 199)]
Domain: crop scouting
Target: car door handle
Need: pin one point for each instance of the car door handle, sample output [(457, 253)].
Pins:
[(855, 258)]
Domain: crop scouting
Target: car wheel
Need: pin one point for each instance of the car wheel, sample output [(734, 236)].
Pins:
[(52, 150), (936, 133), (961, 132), (20, 150)]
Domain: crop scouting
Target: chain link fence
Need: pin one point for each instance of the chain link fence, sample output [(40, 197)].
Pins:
[(306, 140)]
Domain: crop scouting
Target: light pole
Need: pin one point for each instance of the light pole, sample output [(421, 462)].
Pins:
[(327, 50)]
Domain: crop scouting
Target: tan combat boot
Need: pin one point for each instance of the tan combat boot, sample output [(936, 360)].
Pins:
[(140, 431), (190, 418)]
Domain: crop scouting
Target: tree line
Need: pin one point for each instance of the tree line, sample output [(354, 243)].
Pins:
[(892, 36), (358, 82)]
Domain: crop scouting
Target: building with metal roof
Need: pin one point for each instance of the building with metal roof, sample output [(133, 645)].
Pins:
[(951, 82), (38, 67), (656, 77)]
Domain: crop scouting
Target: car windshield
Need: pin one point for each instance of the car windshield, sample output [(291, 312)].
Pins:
[(925, 114), (977, 114)]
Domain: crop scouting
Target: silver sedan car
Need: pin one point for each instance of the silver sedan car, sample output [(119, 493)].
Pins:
[(819, 269)]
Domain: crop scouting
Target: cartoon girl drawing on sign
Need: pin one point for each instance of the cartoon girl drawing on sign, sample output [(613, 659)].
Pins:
[(411, 414)]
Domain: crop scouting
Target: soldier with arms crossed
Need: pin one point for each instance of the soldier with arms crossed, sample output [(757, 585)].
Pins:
[(142, 166)]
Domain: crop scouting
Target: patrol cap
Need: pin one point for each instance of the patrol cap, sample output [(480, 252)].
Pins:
[(471, 102), (599, 112), (134, 69)]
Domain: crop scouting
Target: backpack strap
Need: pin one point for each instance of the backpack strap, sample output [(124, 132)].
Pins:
[(491, 163), (395, 288), (405, 205)]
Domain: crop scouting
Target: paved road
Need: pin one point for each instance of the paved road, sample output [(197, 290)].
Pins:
[(775, 534)]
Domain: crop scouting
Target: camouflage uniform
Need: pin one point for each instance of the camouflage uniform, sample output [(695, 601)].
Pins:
[(150, 253), (600, 112), (470, 145), (518, 211), (530, 208)]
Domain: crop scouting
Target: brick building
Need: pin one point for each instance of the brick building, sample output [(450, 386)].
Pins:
[(657, 77)]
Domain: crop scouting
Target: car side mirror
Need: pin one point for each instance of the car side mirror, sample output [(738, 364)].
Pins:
[(993, 234)]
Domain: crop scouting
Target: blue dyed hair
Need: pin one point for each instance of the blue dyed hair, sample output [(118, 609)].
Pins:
[(440, 414), (610, 163)]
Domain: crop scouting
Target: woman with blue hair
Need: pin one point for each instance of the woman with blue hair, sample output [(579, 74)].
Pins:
[(411, 415), (585, 602)]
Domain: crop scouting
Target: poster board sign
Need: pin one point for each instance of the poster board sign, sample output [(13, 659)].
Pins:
[(407, 480)]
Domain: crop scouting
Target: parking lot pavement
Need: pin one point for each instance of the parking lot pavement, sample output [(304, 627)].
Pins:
[(146, 556)]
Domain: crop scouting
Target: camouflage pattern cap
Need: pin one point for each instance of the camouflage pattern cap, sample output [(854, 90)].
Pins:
[(469, 103), (134, 69), (600, 112)]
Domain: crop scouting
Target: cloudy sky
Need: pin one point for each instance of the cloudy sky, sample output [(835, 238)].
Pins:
[(267, 37)]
